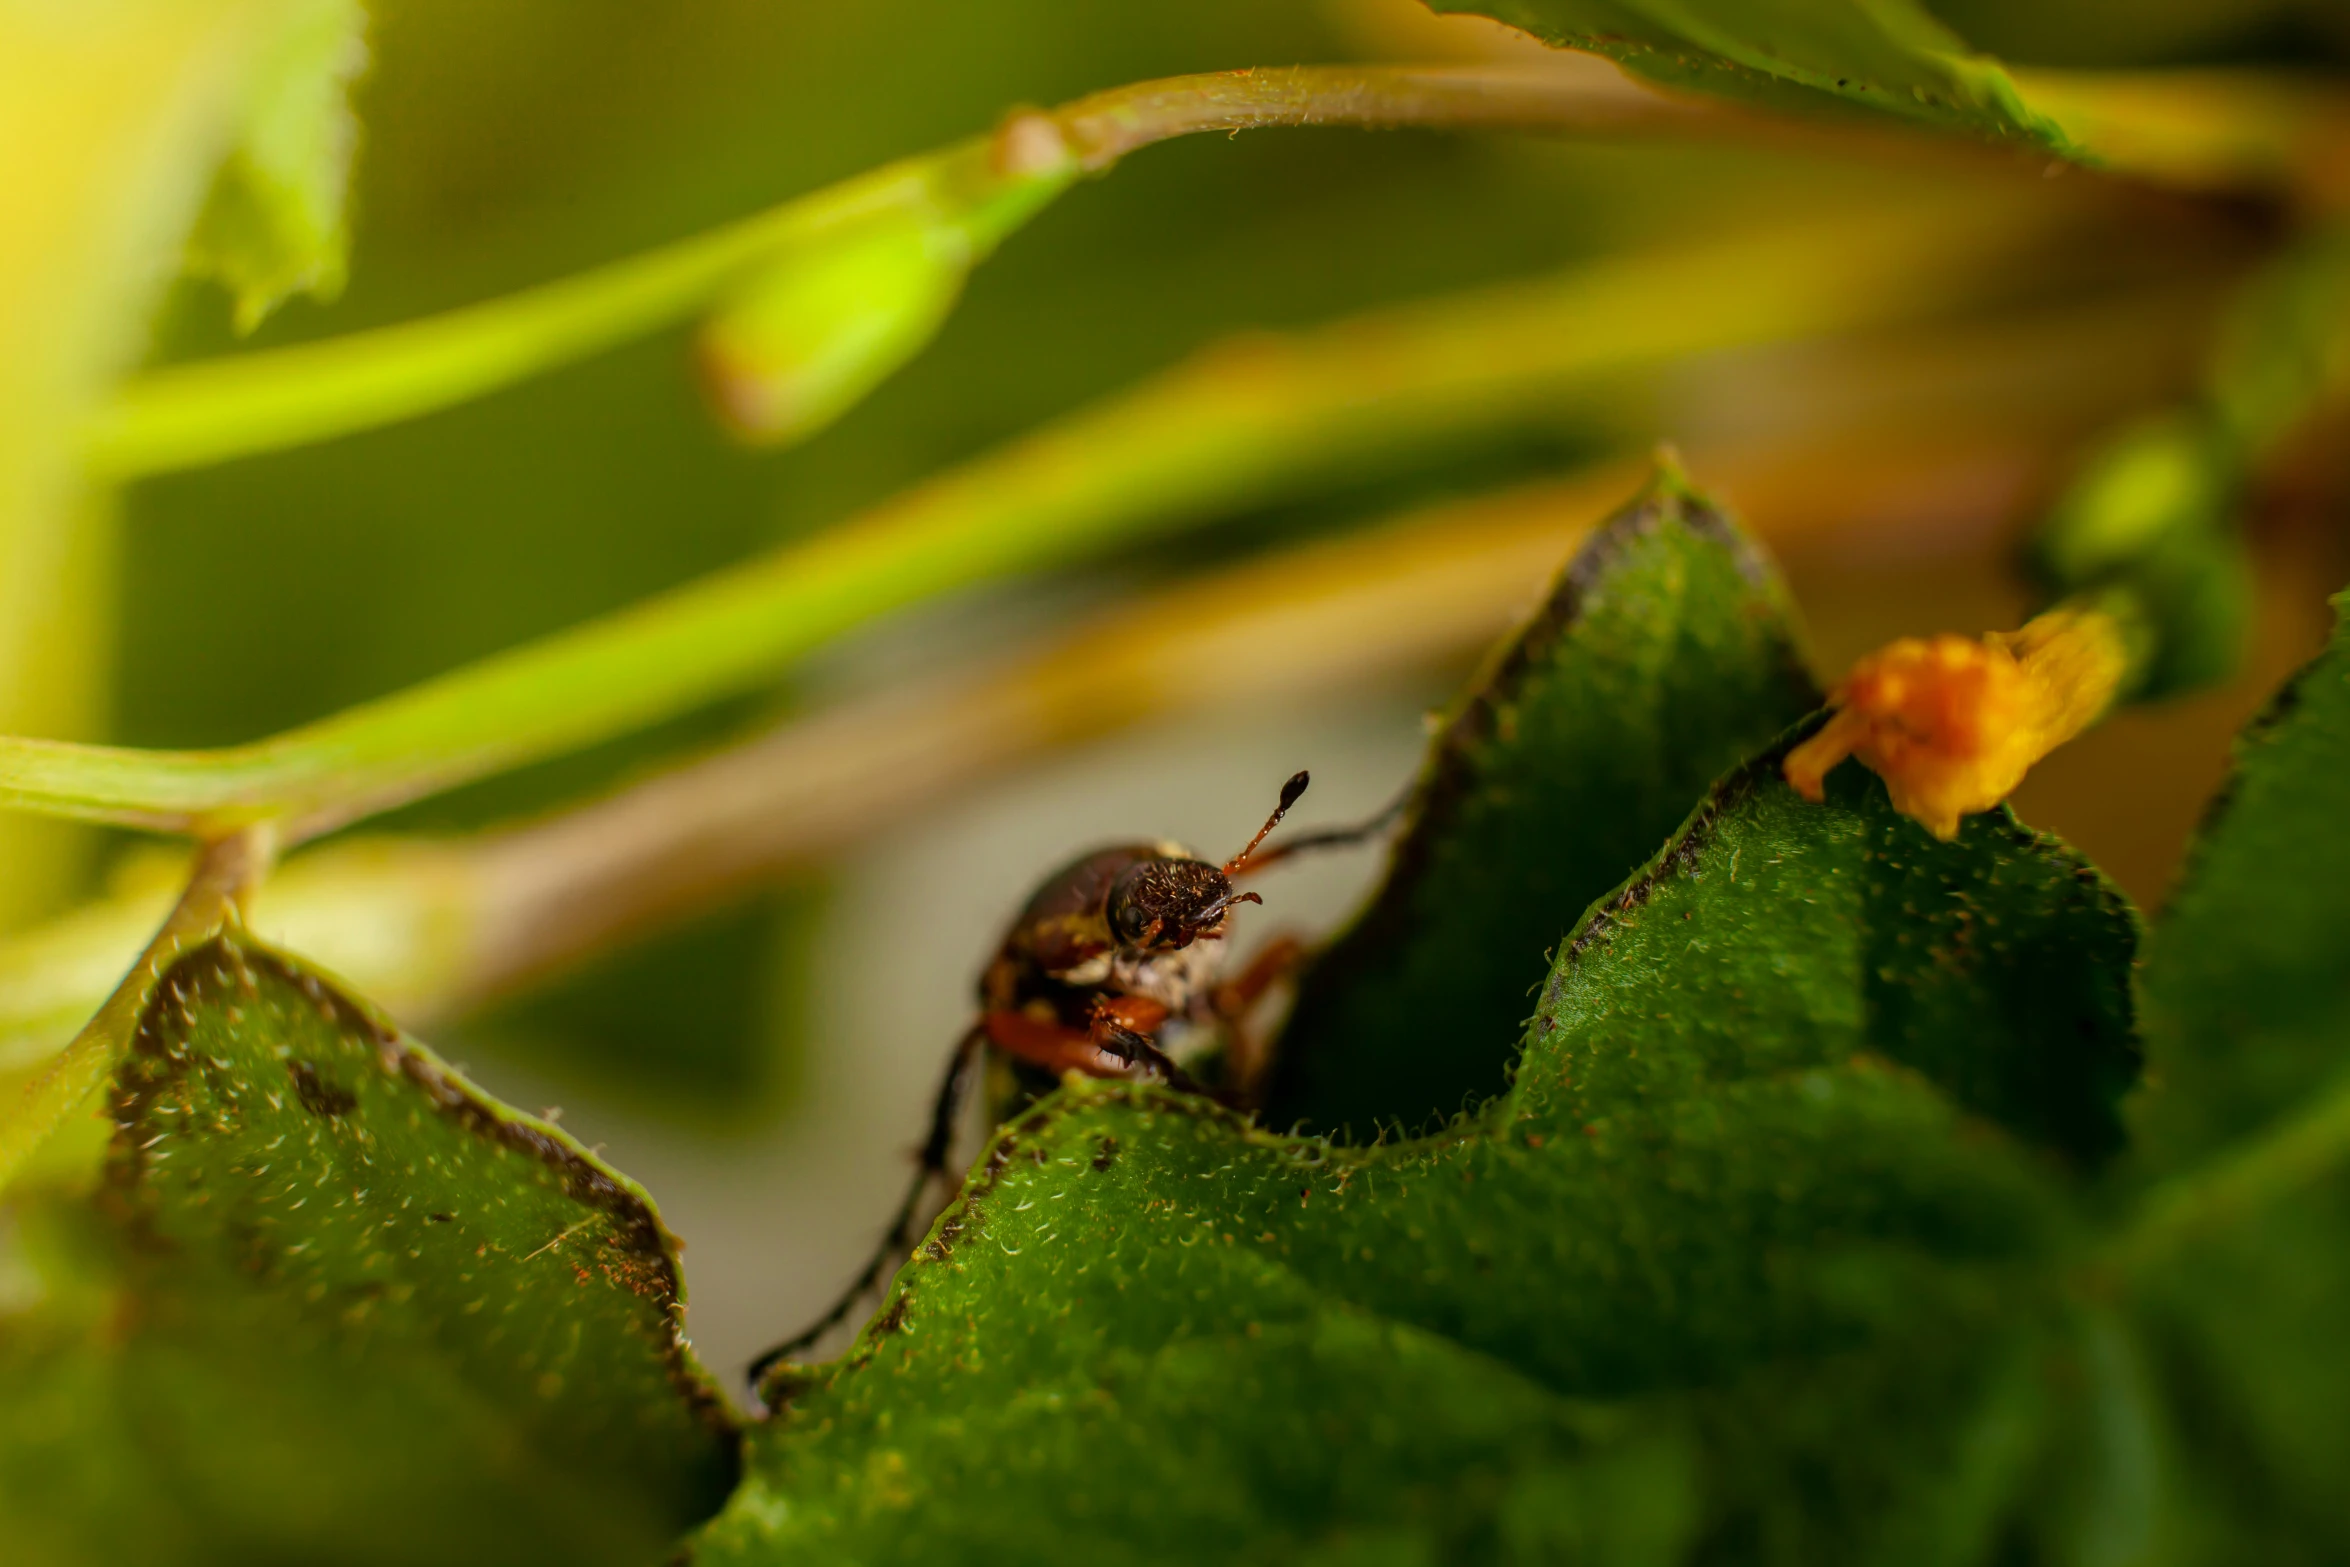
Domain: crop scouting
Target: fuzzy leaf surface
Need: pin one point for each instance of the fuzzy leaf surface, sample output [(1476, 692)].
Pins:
[(330, 1302), (1774, 934)]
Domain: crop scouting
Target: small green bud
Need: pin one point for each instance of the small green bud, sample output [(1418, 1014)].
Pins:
[(2150, 517), (818, 325), (2285, 345), (799, 343)]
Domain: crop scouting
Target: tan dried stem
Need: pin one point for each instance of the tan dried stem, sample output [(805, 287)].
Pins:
[(1103, 127)]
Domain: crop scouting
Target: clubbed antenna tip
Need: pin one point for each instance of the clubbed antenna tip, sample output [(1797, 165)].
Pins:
[(1290, 794)]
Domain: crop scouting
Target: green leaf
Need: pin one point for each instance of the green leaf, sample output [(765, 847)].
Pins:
[(1150, 1334), (1727, 1269), (1889, 56), (2247, 978), (1665, 655), (346, 1308), (2242, 1326), (276, 223), (2238, 1278), (1774, 935)]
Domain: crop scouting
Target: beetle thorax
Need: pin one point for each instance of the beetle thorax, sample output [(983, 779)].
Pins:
[(1176, 980)]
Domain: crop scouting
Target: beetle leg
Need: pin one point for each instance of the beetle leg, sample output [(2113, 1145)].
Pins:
[(1118, 1038), (1273, 963), (1125, 1025), (1247, 1050), (1128, 1025), (1056, 1047), (945, 1111)]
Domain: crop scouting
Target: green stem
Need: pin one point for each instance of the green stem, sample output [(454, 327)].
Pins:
[(1237, 425), (190, 415), (985, 188)]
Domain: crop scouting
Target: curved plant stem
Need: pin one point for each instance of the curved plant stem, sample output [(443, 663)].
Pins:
[(209, 411), (226, 870), (1577, 96), (1239, 424), (212, 410)]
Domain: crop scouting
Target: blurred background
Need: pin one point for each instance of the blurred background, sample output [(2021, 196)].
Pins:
[(763, 1066)]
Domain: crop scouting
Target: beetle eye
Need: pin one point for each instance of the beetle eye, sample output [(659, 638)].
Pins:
[(1126, 921)]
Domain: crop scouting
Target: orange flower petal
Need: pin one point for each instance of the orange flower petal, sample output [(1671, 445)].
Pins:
[(1953, 723)]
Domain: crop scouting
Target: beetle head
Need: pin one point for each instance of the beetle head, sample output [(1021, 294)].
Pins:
[(1163, 903), (1170, 901)]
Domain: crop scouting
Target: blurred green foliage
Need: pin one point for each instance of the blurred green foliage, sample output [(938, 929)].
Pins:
[(2153, 517), (1802, 1220), (704, 1023), (276, 220), (2167, 32)]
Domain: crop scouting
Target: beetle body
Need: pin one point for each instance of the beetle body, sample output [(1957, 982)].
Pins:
[(1107, 951)]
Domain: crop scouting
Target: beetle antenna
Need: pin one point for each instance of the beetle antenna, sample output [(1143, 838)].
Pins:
[(1325, 837), (1290, 793)]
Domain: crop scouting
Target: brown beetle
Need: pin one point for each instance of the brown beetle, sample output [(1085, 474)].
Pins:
[(1109, 950)]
